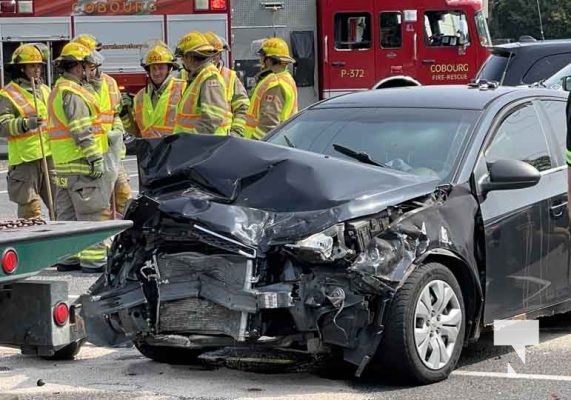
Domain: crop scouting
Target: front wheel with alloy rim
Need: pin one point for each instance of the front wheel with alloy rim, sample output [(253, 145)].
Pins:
[(425, 327)]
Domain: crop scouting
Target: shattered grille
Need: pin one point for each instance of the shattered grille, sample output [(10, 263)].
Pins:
[(225, 243), (200, 316)]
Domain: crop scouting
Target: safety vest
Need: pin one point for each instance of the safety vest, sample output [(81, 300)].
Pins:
[(109, 100), (158, 121), (189, 111), (65, 151), (286, 82), (26, 147), (229, 77)]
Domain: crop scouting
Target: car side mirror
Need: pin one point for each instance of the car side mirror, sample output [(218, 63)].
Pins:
[(566, 83), (509, 175)]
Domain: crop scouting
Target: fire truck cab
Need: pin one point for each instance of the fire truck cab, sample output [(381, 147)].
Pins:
[(342, 46)]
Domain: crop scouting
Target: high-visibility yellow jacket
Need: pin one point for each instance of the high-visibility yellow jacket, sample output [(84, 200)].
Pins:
[(273, 101), (75, 133), (158, 120), (109, 102), (203, 107), (25, 146), (237, 97)]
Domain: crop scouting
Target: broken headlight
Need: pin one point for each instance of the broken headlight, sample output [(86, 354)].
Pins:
[(320, 247)]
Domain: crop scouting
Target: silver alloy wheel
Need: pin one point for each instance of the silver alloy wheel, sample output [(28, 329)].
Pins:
[(438, 319)]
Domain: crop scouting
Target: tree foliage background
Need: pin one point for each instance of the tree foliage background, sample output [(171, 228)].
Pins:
[(514, 18)]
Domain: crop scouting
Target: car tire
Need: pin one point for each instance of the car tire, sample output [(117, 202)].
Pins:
[(68, 352), (168, 355), (414, 330)]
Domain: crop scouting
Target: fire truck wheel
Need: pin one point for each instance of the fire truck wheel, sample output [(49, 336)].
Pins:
[(168, 355), (68, 352)]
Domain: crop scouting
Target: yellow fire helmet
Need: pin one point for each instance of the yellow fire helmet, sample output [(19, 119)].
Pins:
[(27, 54), (158, 55), (88, 41), (276, 48), (74, 52), (195, 43), (218, 42)]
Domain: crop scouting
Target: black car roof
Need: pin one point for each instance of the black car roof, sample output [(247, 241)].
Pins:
[(449, 96), (534, 46)]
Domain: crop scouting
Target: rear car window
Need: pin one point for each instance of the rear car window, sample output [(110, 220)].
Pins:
[(545, 67), (493, 68)]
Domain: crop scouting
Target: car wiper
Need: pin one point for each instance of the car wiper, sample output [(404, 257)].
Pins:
[(289, 142), (358, 155)]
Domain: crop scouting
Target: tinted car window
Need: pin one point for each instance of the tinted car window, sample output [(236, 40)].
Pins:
[(428, 144), (493, 68), (520, 137), (546, 67), (555, 110)]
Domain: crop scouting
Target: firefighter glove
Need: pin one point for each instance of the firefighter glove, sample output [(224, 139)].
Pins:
[(97, 168), (126, 100), (32, 123)]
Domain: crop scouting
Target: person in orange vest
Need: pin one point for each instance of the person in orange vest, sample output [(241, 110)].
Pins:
[(107, 89), (203, 107), (19, 122), (155, 105), (78, 143), (274, 98), (236, 93)]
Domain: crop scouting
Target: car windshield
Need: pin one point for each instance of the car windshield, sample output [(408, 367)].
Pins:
[(554, 81), (419, 141)]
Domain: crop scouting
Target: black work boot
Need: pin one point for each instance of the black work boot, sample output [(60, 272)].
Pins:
[(67, 267)]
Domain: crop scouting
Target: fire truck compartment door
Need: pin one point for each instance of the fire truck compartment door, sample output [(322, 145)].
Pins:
[(349, 35), (179, 25), (122, 36), (29, 29)]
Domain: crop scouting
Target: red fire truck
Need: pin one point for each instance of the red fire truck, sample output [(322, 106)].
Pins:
[(123, 26), (344, 46), (339, 45)]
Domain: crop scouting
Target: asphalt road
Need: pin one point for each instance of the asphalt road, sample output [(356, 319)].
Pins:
[(122, 373)]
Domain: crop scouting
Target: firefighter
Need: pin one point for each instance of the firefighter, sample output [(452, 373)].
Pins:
[(203, 107), (78, 143), (236, 93), (109, 94), (274, 98), (20, 123), (155, 105)]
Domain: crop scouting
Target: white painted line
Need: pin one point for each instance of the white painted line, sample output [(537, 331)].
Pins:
[(130, 159), (133, 175), (516, 376), (3, 192), (4, 171)]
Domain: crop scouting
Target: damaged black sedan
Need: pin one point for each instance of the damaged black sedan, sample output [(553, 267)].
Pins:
[(384, 227)]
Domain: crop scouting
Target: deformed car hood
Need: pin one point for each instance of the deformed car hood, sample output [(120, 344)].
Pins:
[(262, 193)]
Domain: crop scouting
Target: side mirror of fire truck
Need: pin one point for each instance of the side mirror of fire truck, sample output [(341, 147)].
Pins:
[(566, 83)]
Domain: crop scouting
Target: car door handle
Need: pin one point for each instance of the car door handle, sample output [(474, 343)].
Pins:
[(337, 63), (557, 210), (428, 61)]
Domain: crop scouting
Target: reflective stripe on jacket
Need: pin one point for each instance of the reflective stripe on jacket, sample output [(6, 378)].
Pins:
[(61, 130), (109, 101), (158, 121), (285, 81), (237, 96), (193, 114), (25, 147)]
